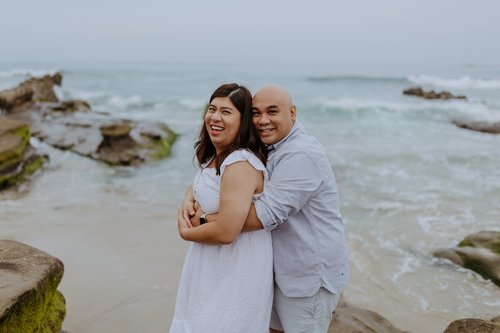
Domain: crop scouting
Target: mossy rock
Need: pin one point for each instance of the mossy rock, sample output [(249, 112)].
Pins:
[(486, 239), (15, 127), (29, 299), (161, 145), (18, 173), (479, 252)]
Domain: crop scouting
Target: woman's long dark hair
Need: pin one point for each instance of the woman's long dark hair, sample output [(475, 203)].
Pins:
[(247, 135)]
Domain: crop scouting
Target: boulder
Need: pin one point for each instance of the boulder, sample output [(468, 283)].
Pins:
[(32, 90), (71, 125), (480, 126), (350, 319), (29, 299), (472, 325), (479, 252), (17, 158), (419, 92)]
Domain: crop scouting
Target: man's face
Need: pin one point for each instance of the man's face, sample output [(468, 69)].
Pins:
[(273, 116)]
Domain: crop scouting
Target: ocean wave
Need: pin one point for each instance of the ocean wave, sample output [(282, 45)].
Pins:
[(356, 104), (120, 102), (27, 72), (464, 82), (102, 99), (469, 110), (356, 79)]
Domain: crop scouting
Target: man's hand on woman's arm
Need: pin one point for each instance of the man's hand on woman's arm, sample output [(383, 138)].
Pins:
[(252, 223)]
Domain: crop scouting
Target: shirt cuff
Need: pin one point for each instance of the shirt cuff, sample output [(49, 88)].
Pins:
[(265, 216)]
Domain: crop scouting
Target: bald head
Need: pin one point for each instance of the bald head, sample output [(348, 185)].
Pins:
[(273, 113), (275, 93)]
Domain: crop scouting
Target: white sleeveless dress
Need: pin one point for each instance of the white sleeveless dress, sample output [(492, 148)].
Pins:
[(225, 288)]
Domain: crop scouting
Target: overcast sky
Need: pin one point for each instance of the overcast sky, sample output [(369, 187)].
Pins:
[(354, 31)]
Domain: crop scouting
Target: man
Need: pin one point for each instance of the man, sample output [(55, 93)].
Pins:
[(300, 206)]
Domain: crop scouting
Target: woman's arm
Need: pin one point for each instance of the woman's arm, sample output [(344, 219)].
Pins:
[(239, 183)]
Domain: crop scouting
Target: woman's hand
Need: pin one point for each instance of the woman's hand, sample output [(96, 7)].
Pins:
[(188, 210), (182, 223), (195, 219)]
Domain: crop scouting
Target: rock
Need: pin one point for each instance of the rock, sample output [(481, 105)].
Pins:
[(480, 126), (29, 299), (479, 252), (350, 319), (17, 158), (70, 125), (32, 90), (472, 325), (419, 92), (70, 107)]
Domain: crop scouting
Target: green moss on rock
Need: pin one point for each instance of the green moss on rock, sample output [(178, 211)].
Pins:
[(10, 179), (40, 310), (162, 146), (486, 239)]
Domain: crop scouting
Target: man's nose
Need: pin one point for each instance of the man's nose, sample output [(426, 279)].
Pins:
[(264, 119)]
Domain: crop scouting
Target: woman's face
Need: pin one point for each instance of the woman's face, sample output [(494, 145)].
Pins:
[(222, 122)]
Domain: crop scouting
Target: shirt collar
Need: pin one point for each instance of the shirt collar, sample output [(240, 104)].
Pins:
[(296, 128)]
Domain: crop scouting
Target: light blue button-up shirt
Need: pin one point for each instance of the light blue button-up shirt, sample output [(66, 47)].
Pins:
[(300, 205)]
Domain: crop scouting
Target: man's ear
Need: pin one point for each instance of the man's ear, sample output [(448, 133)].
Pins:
[(293, 111)]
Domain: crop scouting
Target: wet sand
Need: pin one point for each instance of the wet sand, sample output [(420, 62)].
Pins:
[(121, 265), (122, 268)]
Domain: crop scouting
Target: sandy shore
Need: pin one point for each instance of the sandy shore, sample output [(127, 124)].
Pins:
[(121, 265)]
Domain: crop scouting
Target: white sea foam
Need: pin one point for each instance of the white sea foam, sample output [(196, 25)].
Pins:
[(472, 110), (27, 72), (464, 82), (87, 95), (120, 102), (357, 104), (192, 103)]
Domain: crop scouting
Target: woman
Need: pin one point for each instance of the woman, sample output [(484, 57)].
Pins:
[(227, 280)]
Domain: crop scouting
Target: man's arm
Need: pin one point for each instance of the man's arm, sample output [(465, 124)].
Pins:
[(294, 180)]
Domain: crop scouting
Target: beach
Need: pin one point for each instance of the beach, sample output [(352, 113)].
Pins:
[(409, 181)]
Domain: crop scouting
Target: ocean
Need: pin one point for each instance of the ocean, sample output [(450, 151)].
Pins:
[(409, 181)]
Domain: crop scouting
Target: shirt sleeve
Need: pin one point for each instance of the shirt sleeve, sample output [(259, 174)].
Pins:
[(294, 180)]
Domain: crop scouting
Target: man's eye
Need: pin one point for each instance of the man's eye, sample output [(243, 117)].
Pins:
[(255, 114)]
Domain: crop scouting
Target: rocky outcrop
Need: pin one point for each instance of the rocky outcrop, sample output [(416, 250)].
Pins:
[(30, 91), (479, 252), (479, 126), (419, 92), (17, 158), (29, 299), (71, 125), (472, 325), (350, 319)]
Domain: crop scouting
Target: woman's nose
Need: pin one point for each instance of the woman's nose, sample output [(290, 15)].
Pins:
[(216, 116)]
